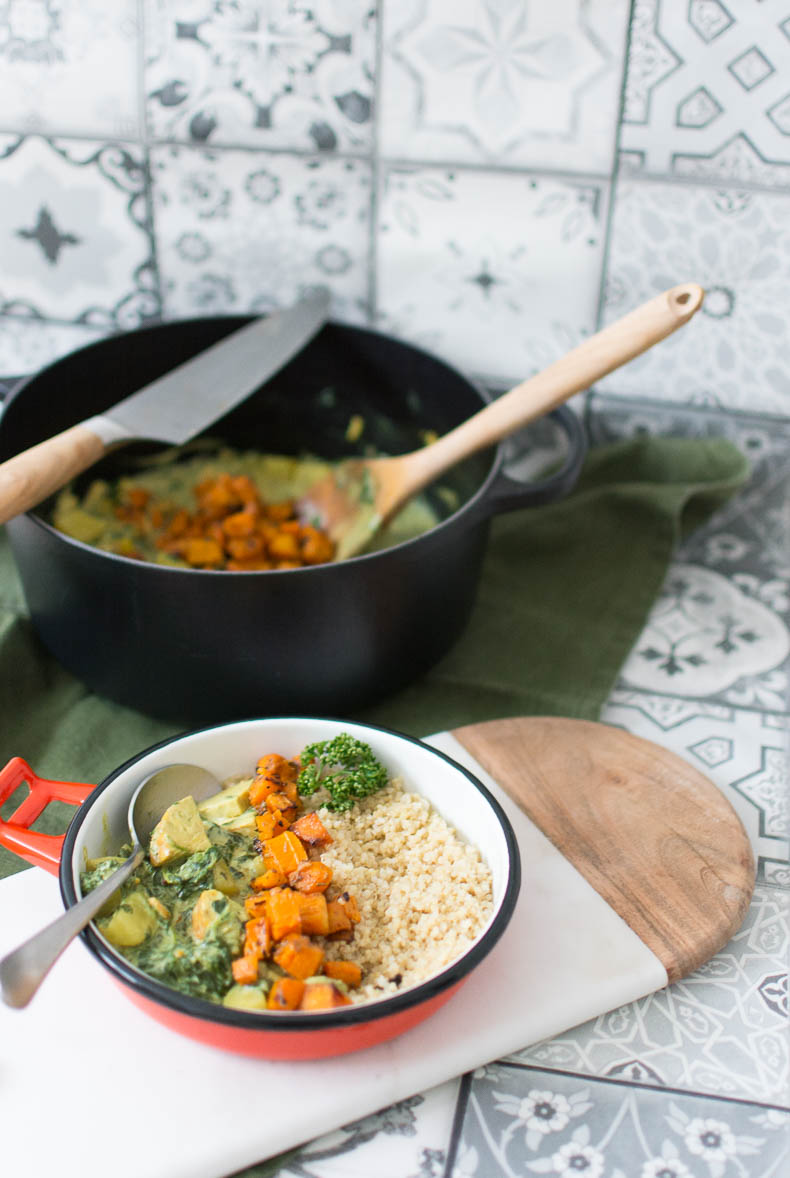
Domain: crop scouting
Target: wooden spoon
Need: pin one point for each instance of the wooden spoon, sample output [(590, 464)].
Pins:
[(362, 494)]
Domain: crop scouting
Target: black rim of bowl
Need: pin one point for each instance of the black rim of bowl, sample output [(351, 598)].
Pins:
[(274, 1021)]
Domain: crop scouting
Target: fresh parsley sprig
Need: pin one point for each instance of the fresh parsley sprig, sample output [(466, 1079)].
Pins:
[(345, 767)]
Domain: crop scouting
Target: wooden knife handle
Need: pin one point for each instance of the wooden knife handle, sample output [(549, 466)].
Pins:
[(28, 478)]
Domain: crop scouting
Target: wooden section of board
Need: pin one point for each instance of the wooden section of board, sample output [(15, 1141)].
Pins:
[(655, 838)]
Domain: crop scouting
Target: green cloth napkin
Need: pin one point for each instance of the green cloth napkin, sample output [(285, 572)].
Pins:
[(564, 594)]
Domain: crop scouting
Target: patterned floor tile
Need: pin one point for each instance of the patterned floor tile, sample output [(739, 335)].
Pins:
[(736, 244), (721, 627), (528, 1121), (281, 74), (238, 231), (26, 345), (497, 273), (708, 91), (48, 48), (502, 82), (74, 233)]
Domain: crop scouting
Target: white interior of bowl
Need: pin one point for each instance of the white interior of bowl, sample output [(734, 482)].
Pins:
[(233, 749)]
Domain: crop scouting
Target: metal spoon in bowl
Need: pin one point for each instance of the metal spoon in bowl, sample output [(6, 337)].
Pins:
[(23, 970)]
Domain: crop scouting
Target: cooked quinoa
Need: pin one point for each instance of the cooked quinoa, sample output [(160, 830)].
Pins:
[(424, 894)]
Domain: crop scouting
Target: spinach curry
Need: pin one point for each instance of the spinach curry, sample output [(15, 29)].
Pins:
[(232, 903)]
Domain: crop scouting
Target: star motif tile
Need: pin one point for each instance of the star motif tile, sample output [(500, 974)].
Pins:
[(502, 82)]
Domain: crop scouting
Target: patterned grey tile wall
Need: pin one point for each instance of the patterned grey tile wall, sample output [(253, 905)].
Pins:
[(502, 82), (274, 75), (708, 91), (735, 243), (75, 229), (497, 272), (241, 231), (70, 69)]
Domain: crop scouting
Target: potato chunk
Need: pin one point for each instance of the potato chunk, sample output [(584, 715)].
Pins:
[(131, 922), (179, 832)]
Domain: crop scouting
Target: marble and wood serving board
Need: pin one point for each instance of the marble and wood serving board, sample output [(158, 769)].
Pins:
[(635, 871)]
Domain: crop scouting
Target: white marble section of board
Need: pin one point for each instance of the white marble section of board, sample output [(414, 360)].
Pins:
[(566, 957)]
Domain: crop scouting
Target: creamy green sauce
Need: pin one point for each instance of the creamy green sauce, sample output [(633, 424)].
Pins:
[(91, 517), (167, 949)]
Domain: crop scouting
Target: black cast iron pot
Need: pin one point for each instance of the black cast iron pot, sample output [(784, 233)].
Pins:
[(195, 646)]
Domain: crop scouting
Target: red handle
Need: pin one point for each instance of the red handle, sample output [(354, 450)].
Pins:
[(42, 850)]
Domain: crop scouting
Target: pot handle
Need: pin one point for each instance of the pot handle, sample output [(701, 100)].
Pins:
[(508, 494), (42, 850)]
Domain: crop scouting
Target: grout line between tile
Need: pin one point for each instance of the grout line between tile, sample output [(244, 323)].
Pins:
[(613, 179), (642, 1086), (461, 1105)]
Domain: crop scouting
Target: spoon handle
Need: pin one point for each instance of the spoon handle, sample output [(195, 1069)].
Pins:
[(23, 970), (608, 349)]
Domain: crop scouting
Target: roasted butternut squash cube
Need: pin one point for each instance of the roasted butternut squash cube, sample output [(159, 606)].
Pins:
[(323, 996), (299, 956), (285, 994), (315, 917), (283, 852), (344, 971), (311, 830), (311, 875), (284, 912)]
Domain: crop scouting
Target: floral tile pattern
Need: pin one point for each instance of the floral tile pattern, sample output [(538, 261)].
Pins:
[(75, 232), (236, 232), (47, 50), (736, 244), (503, 82), (708, 91), (528, 1121), (721, 628), (489, 270), (281, 74)]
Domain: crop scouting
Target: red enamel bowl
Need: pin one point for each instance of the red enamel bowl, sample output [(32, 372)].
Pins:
[(99, 827)]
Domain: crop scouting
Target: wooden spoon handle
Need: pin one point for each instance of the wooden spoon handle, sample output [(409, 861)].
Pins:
[(608, 349), (27, 478)]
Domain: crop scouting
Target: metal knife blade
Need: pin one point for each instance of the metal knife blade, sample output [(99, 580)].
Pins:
[(173, 408), (185, 401)]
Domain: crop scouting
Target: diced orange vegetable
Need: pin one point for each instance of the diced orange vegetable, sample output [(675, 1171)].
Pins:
[(323, 996), (311, 875), (299, 957), (345, 971), (245, 970), (257, 938), (240, 523), (338, 919), (314, 913), (283, 852), (273, 765), (350, 906), (269, 879), (284, 912), (342, 934), (285, 994), (311, 830), (255, 905), (260, 790), (202, 552), (284, 547), (270, 824), (283, 803)]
